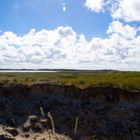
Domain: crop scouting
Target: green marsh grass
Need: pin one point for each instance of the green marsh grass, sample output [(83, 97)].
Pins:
[(129, 80)]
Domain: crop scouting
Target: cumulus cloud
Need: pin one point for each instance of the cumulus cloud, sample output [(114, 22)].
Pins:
[(64, 48), (95, 5), (127, 10), (126, 31)]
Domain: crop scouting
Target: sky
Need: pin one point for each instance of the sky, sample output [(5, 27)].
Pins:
[(70, 34)]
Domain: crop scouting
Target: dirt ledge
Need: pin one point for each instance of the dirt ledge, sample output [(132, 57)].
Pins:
[(104, 112)]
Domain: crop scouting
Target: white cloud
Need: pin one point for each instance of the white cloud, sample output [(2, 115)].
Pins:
[(127, 10), (64, 7), (95, 5), (125, 31), (64, 48)]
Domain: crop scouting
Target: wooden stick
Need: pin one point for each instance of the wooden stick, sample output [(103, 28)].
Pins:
[(42, 112), (75, 129), (52, 122)]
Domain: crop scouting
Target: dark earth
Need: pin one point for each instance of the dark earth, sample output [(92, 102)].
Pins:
[(104, 112)]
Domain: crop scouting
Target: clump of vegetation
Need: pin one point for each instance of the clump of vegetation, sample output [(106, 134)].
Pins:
[(129, 80)]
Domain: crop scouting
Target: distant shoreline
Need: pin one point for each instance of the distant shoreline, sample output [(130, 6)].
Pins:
[(60, 70), (57, 70), (26, 71)]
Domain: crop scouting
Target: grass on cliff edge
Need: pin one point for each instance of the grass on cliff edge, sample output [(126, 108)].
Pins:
[(129, 80)]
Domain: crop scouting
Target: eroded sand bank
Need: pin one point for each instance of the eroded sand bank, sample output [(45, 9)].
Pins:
[(104, 112)]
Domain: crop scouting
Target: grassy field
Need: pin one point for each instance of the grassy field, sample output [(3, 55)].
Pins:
[(129, 80)]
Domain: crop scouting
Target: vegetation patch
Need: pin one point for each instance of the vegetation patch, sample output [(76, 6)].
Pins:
[(128, 80)]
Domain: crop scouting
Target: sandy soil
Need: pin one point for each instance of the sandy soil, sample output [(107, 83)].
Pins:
[(46, 135)]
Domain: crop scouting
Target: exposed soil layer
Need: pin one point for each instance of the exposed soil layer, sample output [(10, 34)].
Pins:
[(104, 112)]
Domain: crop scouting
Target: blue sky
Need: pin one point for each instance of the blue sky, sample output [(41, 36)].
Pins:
[(21, 16), (92, 28)]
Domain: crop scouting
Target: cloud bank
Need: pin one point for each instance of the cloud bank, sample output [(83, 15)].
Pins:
[(64, 48)]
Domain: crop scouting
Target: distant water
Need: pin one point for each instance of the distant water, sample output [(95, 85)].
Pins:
[(23, 71)]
